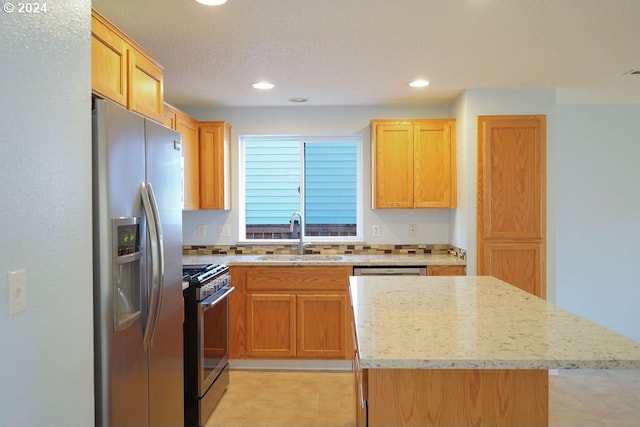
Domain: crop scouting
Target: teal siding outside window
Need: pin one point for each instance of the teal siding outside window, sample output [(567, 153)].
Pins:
[(331, 183), (272, 177), (318, 176)]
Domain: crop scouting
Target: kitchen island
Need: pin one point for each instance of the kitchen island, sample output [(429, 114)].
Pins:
[(463, 351)]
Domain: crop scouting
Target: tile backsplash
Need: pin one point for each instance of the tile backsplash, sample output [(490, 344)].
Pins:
[(323, 249)]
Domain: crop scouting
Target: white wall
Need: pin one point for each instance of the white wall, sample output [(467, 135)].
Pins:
[(46, 352), (433, 224), (598, 214)]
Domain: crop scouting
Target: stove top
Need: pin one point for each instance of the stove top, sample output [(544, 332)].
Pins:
[(205, 279), (199, 274)]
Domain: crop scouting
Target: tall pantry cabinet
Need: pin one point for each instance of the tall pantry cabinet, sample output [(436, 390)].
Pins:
[(511, 222)]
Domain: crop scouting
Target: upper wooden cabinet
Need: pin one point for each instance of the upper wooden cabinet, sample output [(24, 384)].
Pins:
[(108, 61), (187, 126), (123, 71), (215, 168), (413, 163)]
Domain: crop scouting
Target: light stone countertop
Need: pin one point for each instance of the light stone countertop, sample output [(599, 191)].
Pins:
[(329, 259), (476, 322)]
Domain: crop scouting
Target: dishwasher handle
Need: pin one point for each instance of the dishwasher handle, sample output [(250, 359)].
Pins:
[(390, 271)]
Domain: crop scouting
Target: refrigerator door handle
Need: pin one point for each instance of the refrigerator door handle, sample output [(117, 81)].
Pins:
[(161, 263), (154, 258)]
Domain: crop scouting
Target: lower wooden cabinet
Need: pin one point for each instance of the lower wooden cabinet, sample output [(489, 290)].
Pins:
[(446, 270), (320, 326), (292, 312), (271, 325), (360, 376)]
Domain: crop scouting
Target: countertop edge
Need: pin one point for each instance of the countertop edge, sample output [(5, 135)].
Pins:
[(500, 364), (329, 260)]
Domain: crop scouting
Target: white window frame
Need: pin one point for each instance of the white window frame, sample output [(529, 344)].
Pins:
[(357, 138)]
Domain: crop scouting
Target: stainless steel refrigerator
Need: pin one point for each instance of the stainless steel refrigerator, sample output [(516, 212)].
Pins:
[(138, 304)]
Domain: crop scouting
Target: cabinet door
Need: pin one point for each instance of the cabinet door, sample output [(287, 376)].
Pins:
[(446, 270), (145, 86), (108, 62), (511, 224), (392, 169), (215, 173), (169, 116), (518, 263), (188, 128), (434, 164), (321, 325), (271, 323)]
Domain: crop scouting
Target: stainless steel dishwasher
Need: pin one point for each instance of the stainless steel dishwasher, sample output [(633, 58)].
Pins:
[(396, 270)]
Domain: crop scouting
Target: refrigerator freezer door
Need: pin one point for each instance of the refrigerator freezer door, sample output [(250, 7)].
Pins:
[(120, 359), (166, 386)]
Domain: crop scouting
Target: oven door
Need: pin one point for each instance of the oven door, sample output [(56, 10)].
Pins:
[(213, 337)]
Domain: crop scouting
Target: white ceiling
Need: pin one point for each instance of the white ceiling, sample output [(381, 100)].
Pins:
[(364, 52)]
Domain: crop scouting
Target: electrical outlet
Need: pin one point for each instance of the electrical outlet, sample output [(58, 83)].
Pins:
[(17, 291), (202, 230), (413, 230), (375, 230)]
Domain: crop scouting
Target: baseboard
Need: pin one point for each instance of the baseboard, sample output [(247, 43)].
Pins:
[(292, 365)]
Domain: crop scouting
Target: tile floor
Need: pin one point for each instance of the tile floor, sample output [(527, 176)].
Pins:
[(309, 399)]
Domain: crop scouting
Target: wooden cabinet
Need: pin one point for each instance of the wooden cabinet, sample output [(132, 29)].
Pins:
[(169, 116), (289, 312), (187, 126), (145, 85), (413, 163), (109, 72), (360, 377), (446, 270), (511, 222), (215, 167), (320, 325), (271, 325), (123, 71)]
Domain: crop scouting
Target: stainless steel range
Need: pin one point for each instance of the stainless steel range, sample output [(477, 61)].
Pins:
[(206, 340)]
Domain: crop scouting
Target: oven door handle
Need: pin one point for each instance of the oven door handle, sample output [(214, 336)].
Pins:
[(207, 305)]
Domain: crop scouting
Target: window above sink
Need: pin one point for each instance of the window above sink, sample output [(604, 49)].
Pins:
[(320, 176)]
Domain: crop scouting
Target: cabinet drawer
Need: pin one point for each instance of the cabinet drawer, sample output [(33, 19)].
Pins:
[(446, 270), (299, 279)]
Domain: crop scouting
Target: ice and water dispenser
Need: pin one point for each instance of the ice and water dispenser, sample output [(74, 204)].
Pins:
[(126, 271)]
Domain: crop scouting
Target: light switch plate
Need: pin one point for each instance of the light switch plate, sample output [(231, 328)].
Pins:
[(17, 291)]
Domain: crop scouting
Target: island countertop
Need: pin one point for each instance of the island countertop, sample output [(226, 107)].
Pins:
[(475, 322)]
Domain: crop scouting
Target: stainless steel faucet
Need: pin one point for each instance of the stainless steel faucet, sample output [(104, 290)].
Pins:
[(292, 224)]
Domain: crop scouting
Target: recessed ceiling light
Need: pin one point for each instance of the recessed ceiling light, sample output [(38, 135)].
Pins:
[(212, 2), (298, 99), (263, 85), (419, 83)]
